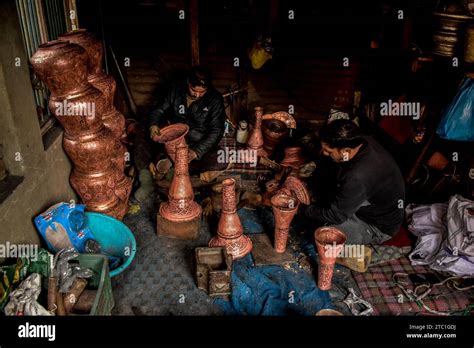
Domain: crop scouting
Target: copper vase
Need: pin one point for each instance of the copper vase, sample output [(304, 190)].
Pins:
[(180, 206), (78, 106), (329, 242), (255, 141), (293, 158), (273, 131), (230, 233), (173, 136), (284, 209)]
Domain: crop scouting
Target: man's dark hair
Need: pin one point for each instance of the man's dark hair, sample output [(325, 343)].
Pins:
[(340, 134), (199, 76)]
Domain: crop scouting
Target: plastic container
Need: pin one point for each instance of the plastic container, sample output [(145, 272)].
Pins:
[(115, 239), (100, 281)]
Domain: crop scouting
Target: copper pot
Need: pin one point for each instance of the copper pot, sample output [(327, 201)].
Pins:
[(284, 209), (91, 44), (112, 118), (173, 136), (62, 67), (329, 242), (181, 206), (273, 132), (293, 157), (255, 141), (229, 230)]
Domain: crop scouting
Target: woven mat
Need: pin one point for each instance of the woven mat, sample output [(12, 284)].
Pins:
[(376, 287)]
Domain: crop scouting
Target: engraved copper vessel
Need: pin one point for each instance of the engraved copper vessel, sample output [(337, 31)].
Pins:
[(89, 144), (297, 188), (284, 209), (255, 141), (329, 242), (282, 116), (273, 131), (293, 158), (173, 136), (180, 206), (112, 118), (230, 233)]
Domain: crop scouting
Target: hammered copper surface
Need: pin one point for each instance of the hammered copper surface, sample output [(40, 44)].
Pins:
[(329, 242), (284, 209), (173, 136), (293, 157), (273, 132), (229, 229), (255, 141), (181, 206), (283, 116), (298, 188), (112, 118), (96, 176)]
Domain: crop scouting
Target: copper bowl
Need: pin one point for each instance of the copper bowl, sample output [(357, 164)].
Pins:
[(173, 136)]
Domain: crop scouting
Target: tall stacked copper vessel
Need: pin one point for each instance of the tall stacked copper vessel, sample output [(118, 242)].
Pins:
[(96, 151)]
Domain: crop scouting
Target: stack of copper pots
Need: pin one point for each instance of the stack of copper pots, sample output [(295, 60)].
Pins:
[(95, 150)]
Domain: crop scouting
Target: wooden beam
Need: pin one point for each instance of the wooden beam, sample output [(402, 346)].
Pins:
[(193, 9)]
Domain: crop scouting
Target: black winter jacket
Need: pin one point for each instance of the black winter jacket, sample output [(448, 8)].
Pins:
[(369, 186), (205, 117)]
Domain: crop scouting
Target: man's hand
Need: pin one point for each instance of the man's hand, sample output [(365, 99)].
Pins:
[(191, 155), (154, 133)]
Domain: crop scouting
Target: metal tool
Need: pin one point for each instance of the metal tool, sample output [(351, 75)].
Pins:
[(352, 299)]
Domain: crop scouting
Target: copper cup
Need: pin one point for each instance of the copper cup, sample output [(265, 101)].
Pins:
[(284, 209), (329, 242)]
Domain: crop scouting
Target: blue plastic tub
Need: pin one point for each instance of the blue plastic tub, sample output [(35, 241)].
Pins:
[(115, 239)]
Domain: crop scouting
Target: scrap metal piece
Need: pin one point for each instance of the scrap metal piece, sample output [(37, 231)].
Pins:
[(352, 299)]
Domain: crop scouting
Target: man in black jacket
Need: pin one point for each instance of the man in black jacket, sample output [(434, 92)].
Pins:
[(200, 106), (368, 200)]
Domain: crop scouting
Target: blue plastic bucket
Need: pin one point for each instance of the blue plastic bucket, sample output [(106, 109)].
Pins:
[(115, 239)]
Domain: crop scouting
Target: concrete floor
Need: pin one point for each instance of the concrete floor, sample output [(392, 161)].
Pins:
[(161, 281)]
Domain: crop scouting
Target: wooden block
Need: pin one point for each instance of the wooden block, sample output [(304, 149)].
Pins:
[(264, 254), (188, 230)]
